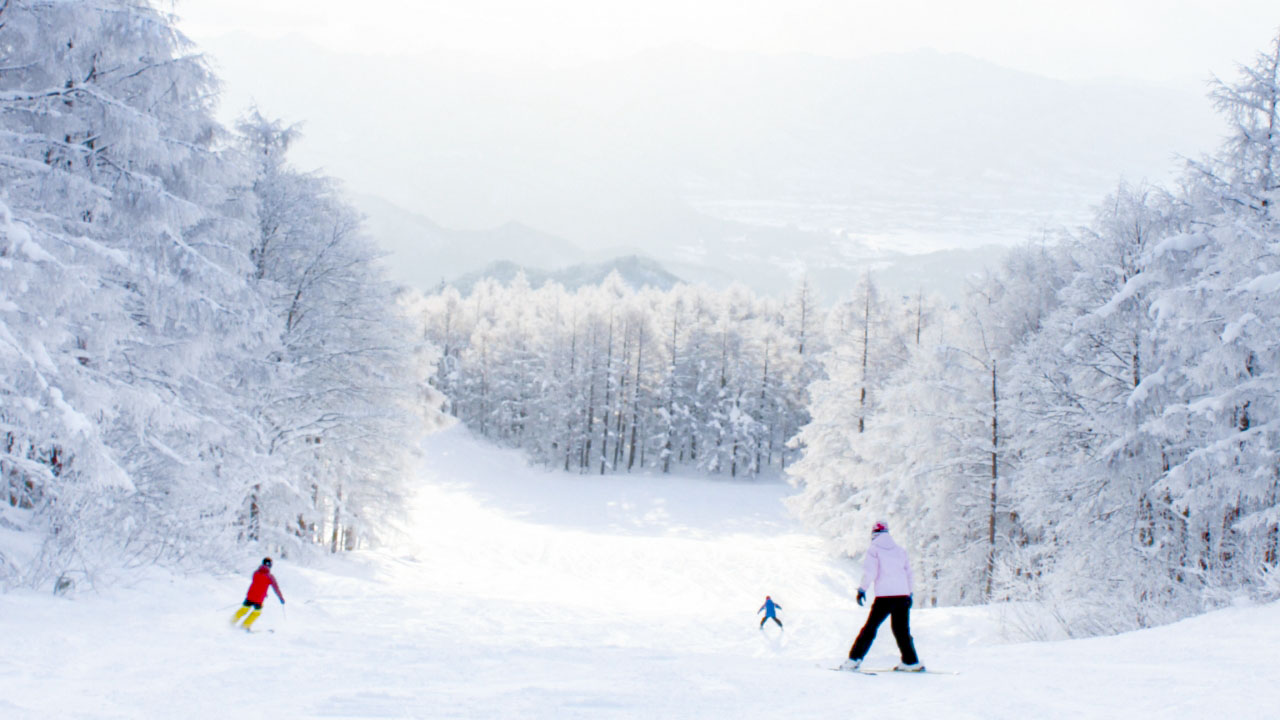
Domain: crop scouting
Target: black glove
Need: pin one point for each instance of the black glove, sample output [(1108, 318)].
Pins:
[(862, 596)]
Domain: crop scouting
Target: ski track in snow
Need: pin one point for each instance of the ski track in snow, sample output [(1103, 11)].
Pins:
[(522, 593)]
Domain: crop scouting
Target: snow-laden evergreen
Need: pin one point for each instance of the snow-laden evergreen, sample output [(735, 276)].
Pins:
[(1096, 427), (173, 381), (609, 379), (335, 415)]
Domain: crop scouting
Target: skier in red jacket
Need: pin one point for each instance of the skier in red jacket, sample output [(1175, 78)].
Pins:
[(262, 579)]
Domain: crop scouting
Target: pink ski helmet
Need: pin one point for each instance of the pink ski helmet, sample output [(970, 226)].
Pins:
[(879, 527)]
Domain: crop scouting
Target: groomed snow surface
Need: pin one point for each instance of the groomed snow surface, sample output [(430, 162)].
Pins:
[(521, 593)]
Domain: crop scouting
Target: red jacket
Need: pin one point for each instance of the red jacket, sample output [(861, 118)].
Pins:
[(262, 579)]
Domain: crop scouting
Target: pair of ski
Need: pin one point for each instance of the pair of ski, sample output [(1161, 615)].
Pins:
[(877, 671)]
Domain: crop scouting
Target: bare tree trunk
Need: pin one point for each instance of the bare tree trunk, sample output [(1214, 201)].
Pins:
[(919, 315), (442, 367), (635, 399), (724, 381), (255, 515), (671, 394), (995, 477), (866, 354), (337, 524), (764, 387), (608, 387), (573, 362), (585, 461), (733, 457), (620, 404)]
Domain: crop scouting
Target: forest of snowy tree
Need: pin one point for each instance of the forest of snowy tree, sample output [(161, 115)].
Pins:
[(1095, 428), (195, 351), (608, 378), (198, 356)]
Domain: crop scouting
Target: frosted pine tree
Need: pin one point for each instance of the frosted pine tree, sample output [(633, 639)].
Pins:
[(1216, 313), (610, 379), (342, 368), (113, 166), (842, 487), (1088, 384)]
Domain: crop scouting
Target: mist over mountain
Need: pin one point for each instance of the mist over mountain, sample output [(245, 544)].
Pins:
[(721, 166), (637, 272), (423, 254)]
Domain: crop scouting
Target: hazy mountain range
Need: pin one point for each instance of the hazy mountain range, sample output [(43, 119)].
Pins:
[(636, 271), (720, 166), (422, 254)]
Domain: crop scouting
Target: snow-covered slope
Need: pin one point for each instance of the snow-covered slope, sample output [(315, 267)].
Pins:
[(519, 593)]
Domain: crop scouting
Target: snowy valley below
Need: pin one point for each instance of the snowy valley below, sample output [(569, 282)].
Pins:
[(521, 593)]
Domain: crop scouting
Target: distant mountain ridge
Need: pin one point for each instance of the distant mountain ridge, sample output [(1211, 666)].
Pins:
[(723, 167), (637, 272), (423, 254)]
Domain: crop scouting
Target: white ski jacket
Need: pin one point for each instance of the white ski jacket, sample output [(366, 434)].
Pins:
[(887, 568)]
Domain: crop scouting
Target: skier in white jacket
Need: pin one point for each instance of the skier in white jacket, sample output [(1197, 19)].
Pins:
[(888, 569)]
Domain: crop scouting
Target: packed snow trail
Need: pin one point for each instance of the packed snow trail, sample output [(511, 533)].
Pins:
[(522, 593)]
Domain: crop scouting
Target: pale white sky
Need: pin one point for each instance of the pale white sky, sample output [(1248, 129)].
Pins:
[(1165, 41), (595, 157)]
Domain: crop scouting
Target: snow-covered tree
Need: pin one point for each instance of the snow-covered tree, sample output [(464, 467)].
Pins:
[(609, 379), (341, 373), (1216, 312), (927, 451), (1108, 402), (144, 352), (1087, 387), (114, 169)]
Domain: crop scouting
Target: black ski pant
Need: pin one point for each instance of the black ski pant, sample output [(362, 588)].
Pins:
[(898, 609), (767, 618)]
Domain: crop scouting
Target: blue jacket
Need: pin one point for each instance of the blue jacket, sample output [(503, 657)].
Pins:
[(769, 608)]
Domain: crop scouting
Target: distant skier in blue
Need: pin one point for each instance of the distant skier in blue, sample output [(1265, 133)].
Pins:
[(770, 609)]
